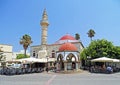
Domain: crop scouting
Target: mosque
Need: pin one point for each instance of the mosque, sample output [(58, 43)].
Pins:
[(64, 54)]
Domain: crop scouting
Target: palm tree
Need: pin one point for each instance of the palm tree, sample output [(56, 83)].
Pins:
[(25, 41), (91, 33), (77, 36)]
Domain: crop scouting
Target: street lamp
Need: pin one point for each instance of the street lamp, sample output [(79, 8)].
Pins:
[(89, 63)]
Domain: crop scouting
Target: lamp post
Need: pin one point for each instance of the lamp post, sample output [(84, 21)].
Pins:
[(89, 63)]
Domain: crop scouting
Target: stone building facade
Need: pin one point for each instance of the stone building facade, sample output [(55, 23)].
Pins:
[(46, 50), (6, 51)]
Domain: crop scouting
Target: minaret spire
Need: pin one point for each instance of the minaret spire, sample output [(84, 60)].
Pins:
[(44, 24), (44, 18)]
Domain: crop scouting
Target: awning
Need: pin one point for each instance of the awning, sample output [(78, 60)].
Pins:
[(31, 59), (105, 59)]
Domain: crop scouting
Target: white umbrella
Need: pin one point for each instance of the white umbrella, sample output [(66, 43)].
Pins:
[(42, 60), (102, 59), (116, 60), (27, 60)]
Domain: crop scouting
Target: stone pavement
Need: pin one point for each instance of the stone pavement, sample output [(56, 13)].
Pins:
[(83, 78)]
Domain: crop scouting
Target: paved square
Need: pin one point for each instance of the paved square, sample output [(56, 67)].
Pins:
[(61, 79)]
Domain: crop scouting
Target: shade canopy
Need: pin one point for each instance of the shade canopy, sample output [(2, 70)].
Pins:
[(116, 60), (42, 60), (105, 59)]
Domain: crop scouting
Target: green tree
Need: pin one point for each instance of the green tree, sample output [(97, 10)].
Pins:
[(115, 52), (19, 56), (91, 33), (77, 36), (101, 48), (25, 41)]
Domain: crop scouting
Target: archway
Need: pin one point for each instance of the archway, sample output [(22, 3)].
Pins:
[(60, 62), (71, 61)]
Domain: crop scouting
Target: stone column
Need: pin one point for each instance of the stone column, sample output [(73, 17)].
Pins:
[(80, 64), (57, 66), (77, 66), (65, 66)]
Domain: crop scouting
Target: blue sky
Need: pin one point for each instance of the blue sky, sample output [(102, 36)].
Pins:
[(19, 17)]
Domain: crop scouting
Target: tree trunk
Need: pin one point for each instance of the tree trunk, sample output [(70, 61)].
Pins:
[(91, 39), (25, 53)]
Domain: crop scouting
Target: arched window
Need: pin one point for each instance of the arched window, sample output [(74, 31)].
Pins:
[(71, 58), (60, 57), (33, 53), (53, 53), (37, 56)]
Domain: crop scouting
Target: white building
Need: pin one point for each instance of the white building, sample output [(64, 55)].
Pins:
[(7, 51)]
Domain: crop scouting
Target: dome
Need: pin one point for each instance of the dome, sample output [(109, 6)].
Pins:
[(67, 37), (67, 47)]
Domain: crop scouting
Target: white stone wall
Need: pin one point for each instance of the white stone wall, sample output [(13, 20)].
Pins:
[(52, 47), (7, 51), (35, 49)]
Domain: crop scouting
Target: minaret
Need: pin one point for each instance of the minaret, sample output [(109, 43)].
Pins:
[(44, 24)]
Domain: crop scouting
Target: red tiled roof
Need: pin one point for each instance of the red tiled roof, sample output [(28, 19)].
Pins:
[(68, 47), (67, 37)]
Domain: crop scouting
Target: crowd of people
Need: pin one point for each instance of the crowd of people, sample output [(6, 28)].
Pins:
[(104, 69), (15, 69)]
